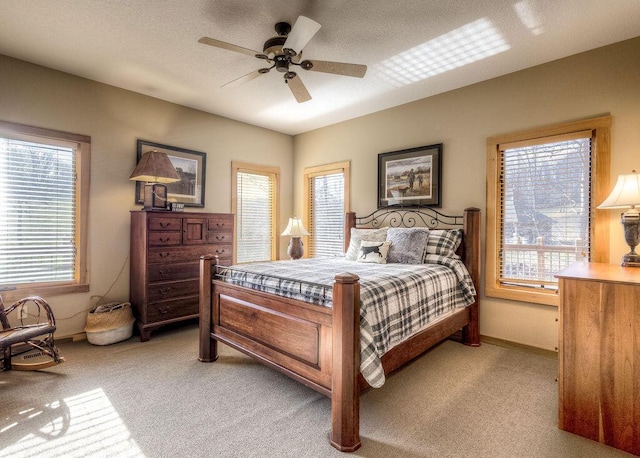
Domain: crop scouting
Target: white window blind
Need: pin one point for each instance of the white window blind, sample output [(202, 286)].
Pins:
[(545, 206), (37, 212), (254, 215), (327, 215)]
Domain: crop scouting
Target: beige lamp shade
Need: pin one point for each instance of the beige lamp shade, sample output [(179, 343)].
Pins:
[(295, 228), (626, 192), (155, 167)]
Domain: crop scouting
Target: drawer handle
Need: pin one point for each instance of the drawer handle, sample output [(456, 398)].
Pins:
[(219, 237), (165, 255), (165, 225), (219, 251), (164, 291), (220, 225), (165, 272), (165, 240), (164, 310)]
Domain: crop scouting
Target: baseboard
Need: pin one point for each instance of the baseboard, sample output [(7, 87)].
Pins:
[(72, 338), (518, 346)]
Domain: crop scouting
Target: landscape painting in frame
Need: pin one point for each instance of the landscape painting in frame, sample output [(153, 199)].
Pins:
[(410, 177), (191, 167)]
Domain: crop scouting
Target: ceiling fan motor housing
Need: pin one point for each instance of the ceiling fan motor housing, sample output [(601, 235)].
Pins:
[(274, 45)]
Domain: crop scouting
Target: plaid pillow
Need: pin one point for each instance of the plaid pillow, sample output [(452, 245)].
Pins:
[(444, 242)]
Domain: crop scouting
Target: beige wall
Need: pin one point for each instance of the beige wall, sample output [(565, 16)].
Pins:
[(114, 119), (606, 80), (590, 84)]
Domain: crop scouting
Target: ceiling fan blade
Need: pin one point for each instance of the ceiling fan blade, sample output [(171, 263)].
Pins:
[(337, 68), (227, 46), (297, 88), (302, 32), (248, 77)]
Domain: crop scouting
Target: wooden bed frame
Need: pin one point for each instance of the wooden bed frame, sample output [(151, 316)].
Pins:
[(320, 346)]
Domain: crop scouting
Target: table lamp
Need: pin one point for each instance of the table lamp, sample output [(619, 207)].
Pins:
[(295, 229), (626, 194), (155, 168)]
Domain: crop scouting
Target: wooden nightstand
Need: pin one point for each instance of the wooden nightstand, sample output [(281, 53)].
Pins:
[(599, 354)]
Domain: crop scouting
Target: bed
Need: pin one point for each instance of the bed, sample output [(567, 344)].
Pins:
[(316, 333)]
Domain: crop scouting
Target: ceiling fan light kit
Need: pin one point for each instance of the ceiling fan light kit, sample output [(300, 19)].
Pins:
[(284, 51)]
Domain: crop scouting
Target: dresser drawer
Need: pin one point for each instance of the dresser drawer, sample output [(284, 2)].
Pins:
[(177, 254), (223, 251), (168, 290), (175, 308), (165, 223), (217, 237), (173, 271), (168, 238), (220, 223)]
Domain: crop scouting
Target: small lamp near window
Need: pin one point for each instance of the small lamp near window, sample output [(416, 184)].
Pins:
[(626, 194), (155, 168), (295, 229)]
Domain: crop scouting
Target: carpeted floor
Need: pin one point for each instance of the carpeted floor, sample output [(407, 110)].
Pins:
[(154, 399)]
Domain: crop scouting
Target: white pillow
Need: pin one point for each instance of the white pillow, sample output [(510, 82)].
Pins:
[(358, 235), (374, 252)]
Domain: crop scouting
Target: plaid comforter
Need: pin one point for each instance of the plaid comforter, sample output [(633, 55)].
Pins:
[(397, 300)]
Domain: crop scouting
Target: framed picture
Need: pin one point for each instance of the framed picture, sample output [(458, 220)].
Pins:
[(190, 165), (410, 177)]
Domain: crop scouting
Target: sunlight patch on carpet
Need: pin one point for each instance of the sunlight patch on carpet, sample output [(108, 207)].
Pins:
[(77, 426)]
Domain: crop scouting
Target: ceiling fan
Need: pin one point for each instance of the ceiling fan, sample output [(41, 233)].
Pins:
[(284, 51)]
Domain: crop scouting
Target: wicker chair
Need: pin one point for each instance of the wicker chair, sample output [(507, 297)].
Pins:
[(32, 336)]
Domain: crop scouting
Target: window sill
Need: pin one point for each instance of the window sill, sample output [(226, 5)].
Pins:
[(13, 295), (524, 295)]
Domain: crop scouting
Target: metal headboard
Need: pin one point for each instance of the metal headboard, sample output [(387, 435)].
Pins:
[(398, 216)]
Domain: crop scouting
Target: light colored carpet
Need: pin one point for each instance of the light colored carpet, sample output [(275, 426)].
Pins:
[(154, 399)]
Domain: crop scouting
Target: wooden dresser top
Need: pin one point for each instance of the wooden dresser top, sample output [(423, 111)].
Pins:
[(601, 272)]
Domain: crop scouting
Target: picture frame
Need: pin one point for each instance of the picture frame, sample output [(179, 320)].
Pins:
[(191, 166), (410, 177)]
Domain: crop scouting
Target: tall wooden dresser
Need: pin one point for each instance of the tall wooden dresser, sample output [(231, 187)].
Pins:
[(599, 354), (165, 263)]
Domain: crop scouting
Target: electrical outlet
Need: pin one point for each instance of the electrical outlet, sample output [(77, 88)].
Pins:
[(24, 312)]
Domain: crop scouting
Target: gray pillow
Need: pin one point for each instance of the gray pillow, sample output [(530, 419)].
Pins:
[(358, 235), (408, 244)]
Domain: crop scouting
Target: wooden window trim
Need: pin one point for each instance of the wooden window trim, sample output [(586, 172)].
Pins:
[(256, 169), (318, 170), (601, 129), (83, 171)]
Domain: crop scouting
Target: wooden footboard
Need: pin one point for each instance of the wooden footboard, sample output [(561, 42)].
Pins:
[(293, 337), (320, 346)]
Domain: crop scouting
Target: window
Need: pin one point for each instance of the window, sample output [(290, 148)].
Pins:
[(542, 190), (44, 189), (326, 202), (255, 204)]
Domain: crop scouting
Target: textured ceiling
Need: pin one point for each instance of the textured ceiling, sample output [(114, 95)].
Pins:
[(413, 48)]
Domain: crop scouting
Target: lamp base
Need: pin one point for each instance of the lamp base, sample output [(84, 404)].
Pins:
[(631, 223), (296, 248), (155, 197), (631, 260)]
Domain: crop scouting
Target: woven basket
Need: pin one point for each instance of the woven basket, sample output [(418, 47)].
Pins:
[(109, 323)]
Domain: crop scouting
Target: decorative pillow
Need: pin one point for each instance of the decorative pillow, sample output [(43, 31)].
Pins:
[(408, 244), (444, 242), (375, 252), (358, 235)]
